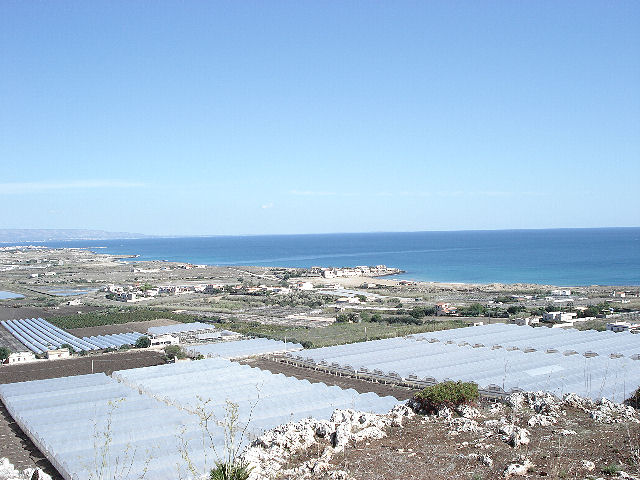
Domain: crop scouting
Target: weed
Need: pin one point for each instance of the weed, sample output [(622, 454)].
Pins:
[(611, 469)]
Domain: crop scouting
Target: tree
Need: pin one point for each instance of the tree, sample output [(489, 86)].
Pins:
[(4, 353), (174, 351), (143, 342)]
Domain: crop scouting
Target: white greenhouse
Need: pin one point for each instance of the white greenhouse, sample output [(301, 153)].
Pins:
[(145, 419)]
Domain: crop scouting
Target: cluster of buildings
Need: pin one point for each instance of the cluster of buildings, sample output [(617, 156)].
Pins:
[(135, 293), (359, 271)]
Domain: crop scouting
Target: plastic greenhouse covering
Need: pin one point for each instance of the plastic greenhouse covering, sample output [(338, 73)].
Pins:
[(243, 348), (39, 336), (145, 419), (487, 355), (180, 328), (526, 337), (115, 340)]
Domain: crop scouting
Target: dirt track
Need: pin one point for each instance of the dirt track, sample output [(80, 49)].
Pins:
[(361, 386)]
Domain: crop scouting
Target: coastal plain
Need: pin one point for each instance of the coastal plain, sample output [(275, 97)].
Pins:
[(90, 293)]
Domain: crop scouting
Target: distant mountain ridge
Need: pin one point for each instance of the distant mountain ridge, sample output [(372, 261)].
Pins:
[(14, 235)]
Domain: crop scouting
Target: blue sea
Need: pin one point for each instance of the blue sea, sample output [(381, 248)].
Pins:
[(570, 257)]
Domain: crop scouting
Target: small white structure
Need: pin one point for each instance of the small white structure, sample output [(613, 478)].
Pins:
[(20, 357), (348, 300), (622, 326), (58, 354), (527, 321), (125, 297), (304, 285), (559, 317), (561, 292), (164, 340), (444, 308)]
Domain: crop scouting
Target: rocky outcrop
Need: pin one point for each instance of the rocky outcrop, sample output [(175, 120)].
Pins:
[(271, 451), (9, 472)]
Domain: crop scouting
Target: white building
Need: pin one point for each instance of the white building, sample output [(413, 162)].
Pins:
[(559, 317), (304, 285), (527, 321), (563, 292), (125, 297), (58, 354), (348, 300), (622, 326), (20, 357), (164, 340)]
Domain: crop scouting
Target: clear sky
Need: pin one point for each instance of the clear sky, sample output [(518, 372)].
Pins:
[(319, 116)]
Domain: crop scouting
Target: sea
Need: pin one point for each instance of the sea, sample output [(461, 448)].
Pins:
[(566, 257)]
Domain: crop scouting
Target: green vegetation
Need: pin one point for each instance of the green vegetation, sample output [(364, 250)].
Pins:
[(336, 333), (611, 469), (115, 315), (143, 342), (473, 310), (599, 325), (447, 394), (4, 353), (225, 471), (421, 312), (174, 351)]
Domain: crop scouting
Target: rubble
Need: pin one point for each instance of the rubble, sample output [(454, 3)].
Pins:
[(268, 454), (520, 469), (9, 472)]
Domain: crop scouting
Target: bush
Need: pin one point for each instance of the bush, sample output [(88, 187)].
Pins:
[(226, 471), (611, 469), (174, 351), (143, 342), (447, 394), (4, 353)]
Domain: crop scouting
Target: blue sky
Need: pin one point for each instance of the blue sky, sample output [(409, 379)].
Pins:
[(301, 117)]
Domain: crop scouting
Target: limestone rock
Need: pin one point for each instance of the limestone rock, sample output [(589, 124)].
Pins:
[(520, 469)]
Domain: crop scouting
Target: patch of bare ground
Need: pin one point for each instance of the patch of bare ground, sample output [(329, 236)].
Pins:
[(315, 376), (428, 447), (140, 327), (104, 363), (8, 312)]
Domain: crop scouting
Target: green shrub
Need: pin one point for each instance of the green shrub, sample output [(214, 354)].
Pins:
[(447, 394), (611, 469), (174, 351), (225, 471), (4, 353), (143, 342)]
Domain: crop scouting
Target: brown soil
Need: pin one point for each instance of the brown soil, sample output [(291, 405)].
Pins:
[(140, 327), (428, 450), (13, 313), (106, 363), (361, 386)]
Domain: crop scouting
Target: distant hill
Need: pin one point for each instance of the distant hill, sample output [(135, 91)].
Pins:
[(37, 235)]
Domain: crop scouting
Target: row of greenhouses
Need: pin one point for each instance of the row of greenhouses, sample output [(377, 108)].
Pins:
[(151, 421), (493, 358)]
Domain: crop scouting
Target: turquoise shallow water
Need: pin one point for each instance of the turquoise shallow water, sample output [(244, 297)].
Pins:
[(606, 256), (5, 295)]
